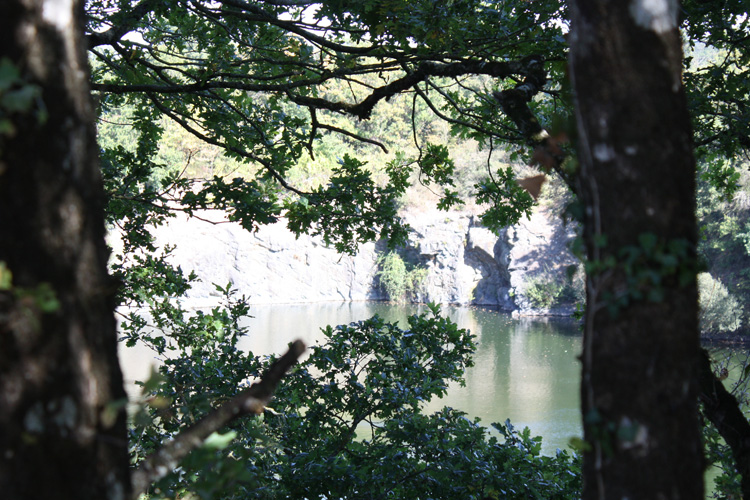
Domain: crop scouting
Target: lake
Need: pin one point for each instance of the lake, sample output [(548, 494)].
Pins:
[(526, 370)]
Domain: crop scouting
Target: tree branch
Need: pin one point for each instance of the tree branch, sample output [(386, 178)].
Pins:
[(453, 121), (290, 3), (722, 409), (425, 70), (250, 401), (125, 23), (241, 152), (353, 136), (515, 104), (291, 26)]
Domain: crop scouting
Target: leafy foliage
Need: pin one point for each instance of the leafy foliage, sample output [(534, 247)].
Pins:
[(17, 97), (732, 367), (352, 187), (507, 200), (720, 312), (724, 234), (273, 89), (399, 279), (346, 423), (268, 85), (719, 67), (548, 289)]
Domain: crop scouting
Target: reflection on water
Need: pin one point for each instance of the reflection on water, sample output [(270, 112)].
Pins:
[(525, 370)]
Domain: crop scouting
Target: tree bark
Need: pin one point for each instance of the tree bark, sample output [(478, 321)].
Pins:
[(641, 340), (62, 420)]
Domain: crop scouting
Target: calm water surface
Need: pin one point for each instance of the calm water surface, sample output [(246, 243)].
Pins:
[(525, 370)]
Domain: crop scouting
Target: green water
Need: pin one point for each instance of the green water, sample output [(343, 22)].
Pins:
[(525, 370)]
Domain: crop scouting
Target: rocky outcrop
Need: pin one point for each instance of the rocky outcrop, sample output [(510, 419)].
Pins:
[(267, 266), (538, 256), (466, 263)]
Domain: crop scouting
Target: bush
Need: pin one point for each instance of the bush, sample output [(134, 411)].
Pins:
[(720, 311), (398, 280), (346, 422), (543, 290), (548, 289)]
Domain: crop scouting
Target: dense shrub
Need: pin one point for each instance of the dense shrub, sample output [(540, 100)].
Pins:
[(399, 280), (345, 423), (549, 289), (720, 311)]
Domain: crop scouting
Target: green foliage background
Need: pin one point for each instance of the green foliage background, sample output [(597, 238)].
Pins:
[(347, 422)]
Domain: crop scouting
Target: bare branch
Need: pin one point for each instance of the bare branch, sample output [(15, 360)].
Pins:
[(353, 135), (250, 401)]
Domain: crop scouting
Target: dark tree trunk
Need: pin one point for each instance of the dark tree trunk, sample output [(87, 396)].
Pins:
[(641, 341), (62, 425)]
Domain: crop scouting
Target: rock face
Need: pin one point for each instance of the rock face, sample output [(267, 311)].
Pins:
[(538, 257), (268, 266), (466, 263)]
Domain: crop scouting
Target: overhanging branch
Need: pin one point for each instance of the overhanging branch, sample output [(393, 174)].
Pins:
[(425, 70), (515, 104), (123, 23)]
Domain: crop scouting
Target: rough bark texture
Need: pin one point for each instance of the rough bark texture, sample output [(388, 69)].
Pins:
[(62, 425), (641, 342)]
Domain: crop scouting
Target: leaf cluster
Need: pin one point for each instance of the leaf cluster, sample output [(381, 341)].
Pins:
[(399, 279), (268, 82), (346, 423)]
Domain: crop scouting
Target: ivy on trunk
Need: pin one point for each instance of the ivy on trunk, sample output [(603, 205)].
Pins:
[(62, 421)]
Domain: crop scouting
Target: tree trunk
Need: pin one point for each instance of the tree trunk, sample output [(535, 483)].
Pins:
[(637, 171), (62, 422)]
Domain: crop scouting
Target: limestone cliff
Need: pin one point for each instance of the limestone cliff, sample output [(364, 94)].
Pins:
[(467, 263)]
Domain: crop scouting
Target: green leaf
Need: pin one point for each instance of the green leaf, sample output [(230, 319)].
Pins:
[(218, 441), (6, 277), (9, 74)]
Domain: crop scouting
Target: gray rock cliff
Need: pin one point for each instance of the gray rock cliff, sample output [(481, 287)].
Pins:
[(466, 263)]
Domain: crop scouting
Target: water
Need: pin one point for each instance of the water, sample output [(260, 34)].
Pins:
[(525, 370)]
